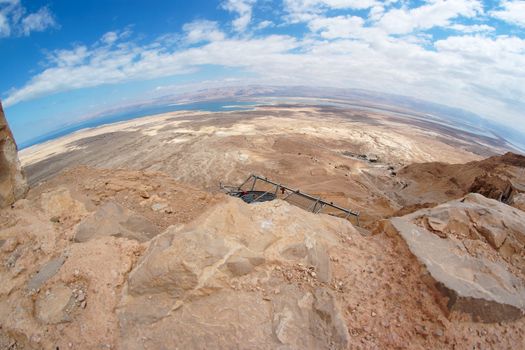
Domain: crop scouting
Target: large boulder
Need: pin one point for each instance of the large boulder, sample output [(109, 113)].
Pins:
[(473, 250), (476, 217), (219, 281), (13, 185)]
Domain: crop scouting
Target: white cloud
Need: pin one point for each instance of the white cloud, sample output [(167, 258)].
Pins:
[(337, 27), (202, 31), (347, 4), (312, 5), (38, 21), (243, 8), (435, 13), (306, 10), (473, 28), (476, 68), (109, 38), (512, 12), (264, 24), (82, 67), (478, 47), (5, 28), (62, 58), (15, 21)]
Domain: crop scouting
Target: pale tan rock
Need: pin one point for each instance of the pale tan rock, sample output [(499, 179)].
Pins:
[(53, 305), (59, 204), (436, 224), (13, 184), (476, 217), (518, 201), (236, 236), (298, 320), (111, 219), (181, 266), (467, 273), (219, 321), (189, 269), (242, 265), (265, 294), (308, 321)]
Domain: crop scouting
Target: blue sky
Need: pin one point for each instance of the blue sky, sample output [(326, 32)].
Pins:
[(62, 61)]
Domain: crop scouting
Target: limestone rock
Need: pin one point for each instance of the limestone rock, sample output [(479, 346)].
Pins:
[(292, 320), (471, 275), (54, 305), (183, 283), (179, 263), (47, 271), (59, 204), (13, 184), (308, 321), (478, 217), (518, 201), (216, 322), (111, 219), (232, 239)]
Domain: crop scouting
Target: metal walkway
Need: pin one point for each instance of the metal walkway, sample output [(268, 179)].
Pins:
[(250, 192)]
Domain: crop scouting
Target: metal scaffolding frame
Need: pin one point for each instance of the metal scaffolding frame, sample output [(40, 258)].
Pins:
[(318, 204)]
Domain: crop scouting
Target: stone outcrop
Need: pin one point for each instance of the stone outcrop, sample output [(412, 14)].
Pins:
[(13, 185), (473, 250), (495, 177), (217, 281), (219, 273), (111, 219), (518, 201), (492, 186), (480, 219)]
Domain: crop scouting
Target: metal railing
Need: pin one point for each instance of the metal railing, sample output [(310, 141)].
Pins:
[(294, 196)]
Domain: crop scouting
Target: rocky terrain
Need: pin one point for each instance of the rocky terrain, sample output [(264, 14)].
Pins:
[(315, 148), (125, 242), (499, 177), (12, 180)]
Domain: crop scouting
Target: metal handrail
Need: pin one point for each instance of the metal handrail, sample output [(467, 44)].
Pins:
[(330, 204), (319, 202)]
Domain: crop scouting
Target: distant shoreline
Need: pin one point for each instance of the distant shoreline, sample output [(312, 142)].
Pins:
[(247, 104), (207, 106)]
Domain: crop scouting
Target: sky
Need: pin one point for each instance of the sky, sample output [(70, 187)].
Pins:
[(62, 60)]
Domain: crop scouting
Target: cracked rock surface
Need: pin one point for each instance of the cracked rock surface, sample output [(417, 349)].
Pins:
[(473, 249)]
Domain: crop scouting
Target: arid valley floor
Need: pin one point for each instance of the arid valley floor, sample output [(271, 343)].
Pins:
[(125, 240), (311, 148)]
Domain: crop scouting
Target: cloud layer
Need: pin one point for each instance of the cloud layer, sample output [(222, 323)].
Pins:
[(512, 12), (15, 21), (449, 52)]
